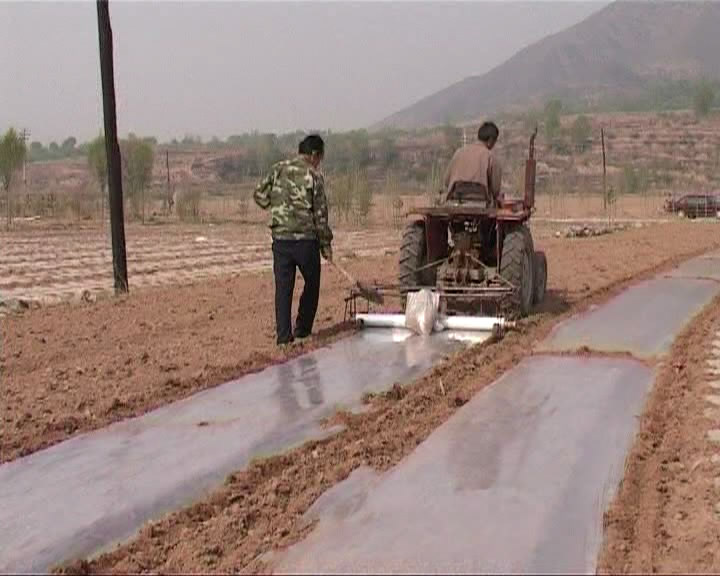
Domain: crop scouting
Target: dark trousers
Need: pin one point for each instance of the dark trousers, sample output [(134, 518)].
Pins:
[(287, 255)]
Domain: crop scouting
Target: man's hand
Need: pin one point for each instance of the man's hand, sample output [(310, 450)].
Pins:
[(326, 252)]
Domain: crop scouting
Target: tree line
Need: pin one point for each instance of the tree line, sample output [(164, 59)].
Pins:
[(348, 153)]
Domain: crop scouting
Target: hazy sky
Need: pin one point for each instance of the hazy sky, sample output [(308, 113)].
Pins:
[(220, 68)]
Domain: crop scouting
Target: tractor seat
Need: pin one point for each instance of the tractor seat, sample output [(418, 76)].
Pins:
[(470, 193)]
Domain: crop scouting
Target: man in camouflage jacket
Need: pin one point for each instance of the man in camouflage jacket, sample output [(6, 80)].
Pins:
[(294, 193)]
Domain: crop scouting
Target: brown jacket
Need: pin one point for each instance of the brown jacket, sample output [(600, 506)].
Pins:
[(475, 163)]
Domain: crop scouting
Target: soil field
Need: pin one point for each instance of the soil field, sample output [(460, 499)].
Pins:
[(47, 264), (75, 367), (666, 518), (51, 265), (260, 509)]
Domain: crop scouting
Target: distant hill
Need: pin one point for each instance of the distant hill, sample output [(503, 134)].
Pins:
[(615, 53)]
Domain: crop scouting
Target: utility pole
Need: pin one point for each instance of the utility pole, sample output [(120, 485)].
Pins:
[(169, 187), (605, 197), (112, 149), (25, 135)]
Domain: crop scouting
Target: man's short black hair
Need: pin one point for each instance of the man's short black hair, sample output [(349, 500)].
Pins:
[(488, 131), (312, 144)]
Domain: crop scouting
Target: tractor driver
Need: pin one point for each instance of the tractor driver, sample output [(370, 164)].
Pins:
[(474, 169)]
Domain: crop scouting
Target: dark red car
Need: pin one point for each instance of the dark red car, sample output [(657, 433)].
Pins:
[(698, 205)]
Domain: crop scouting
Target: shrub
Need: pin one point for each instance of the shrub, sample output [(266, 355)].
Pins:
[(580, 133), (703, 98), (188, 205), (362, 196)]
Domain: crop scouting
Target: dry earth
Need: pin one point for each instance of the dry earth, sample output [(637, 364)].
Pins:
[(70, 368), (75, 367), (54, 264), (666, 518), (259, 509)]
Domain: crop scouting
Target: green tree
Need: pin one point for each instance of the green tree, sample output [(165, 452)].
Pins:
[(580, 132), (236, 140), (12, 155), (36, 150), (387, 152), (188, 140), (343, 152), (97, 161), (362, 196), (359, 148), (350, 195), (552, 119), (68, 145), (138, 157), (703, 98), (82, 149)]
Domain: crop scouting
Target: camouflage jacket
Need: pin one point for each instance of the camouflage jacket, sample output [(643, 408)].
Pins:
[(295, 194)]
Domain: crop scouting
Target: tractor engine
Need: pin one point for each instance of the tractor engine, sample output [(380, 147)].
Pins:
[(466, 254)]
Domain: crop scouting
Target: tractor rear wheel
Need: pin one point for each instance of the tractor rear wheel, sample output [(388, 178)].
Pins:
[(516, 266), (413, 255), (540, 273)]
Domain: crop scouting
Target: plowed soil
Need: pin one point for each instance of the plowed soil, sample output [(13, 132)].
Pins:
[(259, 509), (49, 265), (666, 518), (70, 368)]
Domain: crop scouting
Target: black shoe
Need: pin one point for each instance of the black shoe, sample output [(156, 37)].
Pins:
[(301, 335)]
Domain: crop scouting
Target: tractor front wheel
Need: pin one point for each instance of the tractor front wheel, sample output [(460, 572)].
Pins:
[(516, 266)]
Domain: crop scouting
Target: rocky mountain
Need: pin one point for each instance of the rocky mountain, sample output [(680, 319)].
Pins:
[(617, 52)]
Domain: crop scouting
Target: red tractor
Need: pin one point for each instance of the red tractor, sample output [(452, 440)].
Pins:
[(476, 252)]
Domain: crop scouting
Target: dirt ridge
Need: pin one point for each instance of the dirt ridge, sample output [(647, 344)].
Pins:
[(260, 509), (663, 518)]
